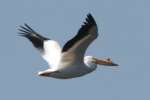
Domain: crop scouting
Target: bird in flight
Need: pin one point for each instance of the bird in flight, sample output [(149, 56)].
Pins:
[(69, 61)]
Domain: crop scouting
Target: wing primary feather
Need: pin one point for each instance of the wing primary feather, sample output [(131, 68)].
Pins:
[(36, 39), (83, 32)]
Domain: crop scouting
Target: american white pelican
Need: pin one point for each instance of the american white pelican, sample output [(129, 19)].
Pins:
[(68, 62)]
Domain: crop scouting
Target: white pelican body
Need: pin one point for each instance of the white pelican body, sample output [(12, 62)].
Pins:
[(63, 65), (69, 61)]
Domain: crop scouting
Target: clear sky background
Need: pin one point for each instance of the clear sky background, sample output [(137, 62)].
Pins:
[(124, 35)]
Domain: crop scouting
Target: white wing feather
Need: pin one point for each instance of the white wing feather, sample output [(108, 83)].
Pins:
[(78, 45), (76, 53), (52, 53)]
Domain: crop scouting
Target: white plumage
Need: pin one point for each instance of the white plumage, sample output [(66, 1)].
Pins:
[(52, 53), (68, 62)]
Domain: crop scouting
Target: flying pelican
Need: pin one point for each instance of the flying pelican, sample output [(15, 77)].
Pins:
[(68, 62)]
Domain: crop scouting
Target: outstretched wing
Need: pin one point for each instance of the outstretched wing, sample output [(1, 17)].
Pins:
[(76, 47), (49, 49)]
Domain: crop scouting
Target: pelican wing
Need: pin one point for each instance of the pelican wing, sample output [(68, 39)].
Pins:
[(76, 47), (49, 49)]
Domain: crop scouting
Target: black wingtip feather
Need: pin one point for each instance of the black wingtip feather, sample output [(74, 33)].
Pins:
[(83, 31), (36, 39), (90, 19), (29, 28)]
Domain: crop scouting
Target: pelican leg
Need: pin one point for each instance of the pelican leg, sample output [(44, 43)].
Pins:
[(47, 74)]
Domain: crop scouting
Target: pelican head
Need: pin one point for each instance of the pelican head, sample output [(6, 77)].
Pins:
[(92, 62)]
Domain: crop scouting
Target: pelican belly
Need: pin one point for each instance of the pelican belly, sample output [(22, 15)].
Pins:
[(71, 72)]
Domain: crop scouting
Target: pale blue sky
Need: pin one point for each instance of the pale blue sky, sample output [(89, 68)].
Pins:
[(124, 35)]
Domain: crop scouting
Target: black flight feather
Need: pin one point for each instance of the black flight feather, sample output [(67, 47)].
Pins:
[(83, 31), (36, 39)]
